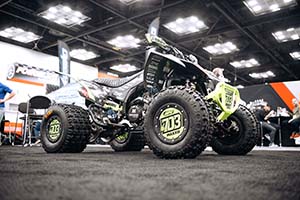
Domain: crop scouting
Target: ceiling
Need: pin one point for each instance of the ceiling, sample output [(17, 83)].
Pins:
[(227, 20)]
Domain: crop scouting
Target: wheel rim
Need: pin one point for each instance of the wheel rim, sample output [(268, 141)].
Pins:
[(122, 138), (232, 132), (54, 129), (171, 123)]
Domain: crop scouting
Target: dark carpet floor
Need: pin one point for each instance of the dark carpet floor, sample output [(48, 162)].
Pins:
[(100, 173)]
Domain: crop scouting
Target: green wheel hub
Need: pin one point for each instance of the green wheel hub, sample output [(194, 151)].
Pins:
[(122, 138), (171, 123), (54, 129)]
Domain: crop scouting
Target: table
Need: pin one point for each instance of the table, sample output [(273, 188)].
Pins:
[(279, 119)]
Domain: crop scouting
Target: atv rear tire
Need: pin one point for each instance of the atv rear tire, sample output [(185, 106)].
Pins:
[(177, 124), (241, 139), (65, 129), (128, 142)]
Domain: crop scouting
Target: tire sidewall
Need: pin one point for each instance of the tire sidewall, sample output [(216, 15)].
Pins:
[(121, 146), (55, 111), (247, 136), (238, 116), (153, 137)]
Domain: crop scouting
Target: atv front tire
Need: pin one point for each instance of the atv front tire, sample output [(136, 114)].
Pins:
[(237, 135), (177, 124), (65, 129)]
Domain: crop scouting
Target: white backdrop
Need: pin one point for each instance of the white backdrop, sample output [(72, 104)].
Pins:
[(12, 53)]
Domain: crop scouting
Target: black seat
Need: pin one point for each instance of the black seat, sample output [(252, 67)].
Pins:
[(39, 102), (114, 83)]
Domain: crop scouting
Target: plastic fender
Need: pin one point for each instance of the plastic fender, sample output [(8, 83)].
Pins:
[(227, 98), (167, 56)]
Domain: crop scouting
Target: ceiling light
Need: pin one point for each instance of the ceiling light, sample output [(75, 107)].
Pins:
[(269, 73), (183, 26), (52, 10), (245, 63), (128, 2), (127, 41), (67, 9), (221, 48), (64, 15), (19, 34), (252, 2), (240, 86), (295, 37), (253, 61), (124, 68), (257, 8), (248, 65), (274, 7), (287, 35), (262, 75), (295, 55), (268, 6), (82, 54)]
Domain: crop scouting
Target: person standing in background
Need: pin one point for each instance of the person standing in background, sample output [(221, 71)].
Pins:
[(295, 121), (4, 90)]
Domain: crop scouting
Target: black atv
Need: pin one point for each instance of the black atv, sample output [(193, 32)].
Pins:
[(175, 104)]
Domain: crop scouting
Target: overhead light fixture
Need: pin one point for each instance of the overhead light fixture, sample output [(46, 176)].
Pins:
[(127, 41), (124, 68), (183, 26), (240, 86), (295, 55), (262, 75), (82, 54), (221, 48), (19, 35), (128, 2), (64, 15), (245, 63), (287, 35), (258, 7)]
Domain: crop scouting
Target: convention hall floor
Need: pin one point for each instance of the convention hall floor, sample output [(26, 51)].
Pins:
[(100, 173)]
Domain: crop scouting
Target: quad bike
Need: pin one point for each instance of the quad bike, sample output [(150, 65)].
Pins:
[(174, 104)]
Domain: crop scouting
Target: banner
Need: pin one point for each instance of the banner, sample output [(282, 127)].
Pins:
[(24, 73), (64, 62)]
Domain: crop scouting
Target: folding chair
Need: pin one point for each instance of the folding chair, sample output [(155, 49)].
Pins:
[(36, 102), (22, 108)]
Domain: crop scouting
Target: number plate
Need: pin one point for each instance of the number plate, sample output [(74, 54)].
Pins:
[(171, 123)]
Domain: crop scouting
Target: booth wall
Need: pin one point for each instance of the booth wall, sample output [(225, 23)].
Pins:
[(11, 54), (278, 94)]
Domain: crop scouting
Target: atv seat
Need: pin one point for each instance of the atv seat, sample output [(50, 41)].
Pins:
[(114, 83)]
